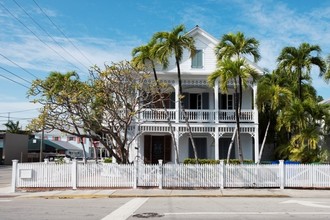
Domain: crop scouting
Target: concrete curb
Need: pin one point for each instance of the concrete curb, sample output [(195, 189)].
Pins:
[(150, 196), (153, 193)]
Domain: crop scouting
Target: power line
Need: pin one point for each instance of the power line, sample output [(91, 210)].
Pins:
[(48, 33), (26, 110), (16, 118), (63, 33), (37, 36), (15, 75), (18, 66), (14, 81)]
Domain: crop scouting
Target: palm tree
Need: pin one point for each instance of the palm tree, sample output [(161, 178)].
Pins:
[(234, 46), (271, 97), (303, 121), (13, 127), (174, 43), (326, 75), (299, 62), (142, 56), (238, 72)]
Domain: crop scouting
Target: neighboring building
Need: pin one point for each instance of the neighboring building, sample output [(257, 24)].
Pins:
[(210, 111), (63, 143), (14, 147)]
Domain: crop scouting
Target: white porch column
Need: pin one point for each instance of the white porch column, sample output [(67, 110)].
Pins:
[(256, 124), (216, 143), (255, 107), (177, 140), (256, 144), (216, 100), (177, 102)]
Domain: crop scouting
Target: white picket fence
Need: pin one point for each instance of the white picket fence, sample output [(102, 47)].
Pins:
[(76, 175)]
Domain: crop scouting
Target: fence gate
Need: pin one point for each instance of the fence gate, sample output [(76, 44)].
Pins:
[(147, 175)]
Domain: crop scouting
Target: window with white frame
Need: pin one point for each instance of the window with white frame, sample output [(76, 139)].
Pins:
[(197, 60)]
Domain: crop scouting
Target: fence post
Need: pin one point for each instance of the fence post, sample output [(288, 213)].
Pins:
[(282, 174), (136, 171), (14, 175), (74, 174), (160, 174), (222, 172)]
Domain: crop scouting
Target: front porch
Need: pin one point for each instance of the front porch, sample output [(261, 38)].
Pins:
[(212, 142)]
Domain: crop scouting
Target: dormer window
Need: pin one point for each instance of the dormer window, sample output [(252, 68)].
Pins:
[(197, 60)]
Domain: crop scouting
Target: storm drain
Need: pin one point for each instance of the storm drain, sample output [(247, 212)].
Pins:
[(148, 215)]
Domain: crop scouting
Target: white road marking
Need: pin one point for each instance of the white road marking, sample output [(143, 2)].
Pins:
[(5, 200), (307, 203), (249, 213), (126, 210)]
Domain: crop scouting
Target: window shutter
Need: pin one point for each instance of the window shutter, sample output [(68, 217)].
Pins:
[(197, 59), (167, 148), (186, 100), (147, 149), (172, 100), (223, 104), (205, 100)]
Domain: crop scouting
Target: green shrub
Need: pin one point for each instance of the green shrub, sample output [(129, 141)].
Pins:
[(236, 161), (107, 160), (201, 161), (213, 161)]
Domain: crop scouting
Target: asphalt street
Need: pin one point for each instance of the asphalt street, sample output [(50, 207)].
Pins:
[(164, 208)]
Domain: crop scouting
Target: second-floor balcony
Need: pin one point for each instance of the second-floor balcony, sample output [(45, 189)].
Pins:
[(202, 115)]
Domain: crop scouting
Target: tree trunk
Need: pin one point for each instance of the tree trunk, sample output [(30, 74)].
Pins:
[(300, 87), (237, 115), (263, 142), (231, 145), (175, 146), (184, 111), (82, 143)]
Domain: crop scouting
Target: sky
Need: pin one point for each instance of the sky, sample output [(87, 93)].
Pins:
[(40, 36)]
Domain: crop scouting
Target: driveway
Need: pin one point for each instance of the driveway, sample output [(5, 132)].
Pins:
[(5, 176)]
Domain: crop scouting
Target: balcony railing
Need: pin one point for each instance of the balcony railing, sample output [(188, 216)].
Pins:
[(203, 115)]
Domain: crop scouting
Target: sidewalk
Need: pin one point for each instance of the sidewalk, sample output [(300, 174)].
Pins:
[(119, 193)]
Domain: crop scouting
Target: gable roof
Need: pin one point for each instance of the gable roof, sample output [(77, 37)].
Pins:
[(197, 30)]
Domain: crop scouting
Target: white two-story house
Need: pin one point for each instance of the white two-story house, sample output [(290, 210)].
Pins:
[(211, 112)]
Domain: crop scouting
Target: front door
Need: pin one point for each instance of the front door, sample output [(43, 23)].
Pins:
[(224, 147), (157, 148)]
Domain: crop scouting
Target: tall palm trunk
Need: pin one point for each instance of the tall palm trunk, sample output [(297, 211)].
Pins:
[(231, 144), (237, 116), (176, 150), (263, 142), (184, 111), (300, 87)]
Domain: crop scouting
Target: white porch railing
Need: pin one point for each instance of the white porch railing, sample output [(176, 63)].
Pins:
[(76, 175), (229, 115), (157, 115), (199, 115), (202, 115)]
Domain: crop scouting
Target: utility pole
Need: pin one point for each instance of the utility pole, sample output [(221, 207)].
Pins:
[(41, 144), (42, 137)]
